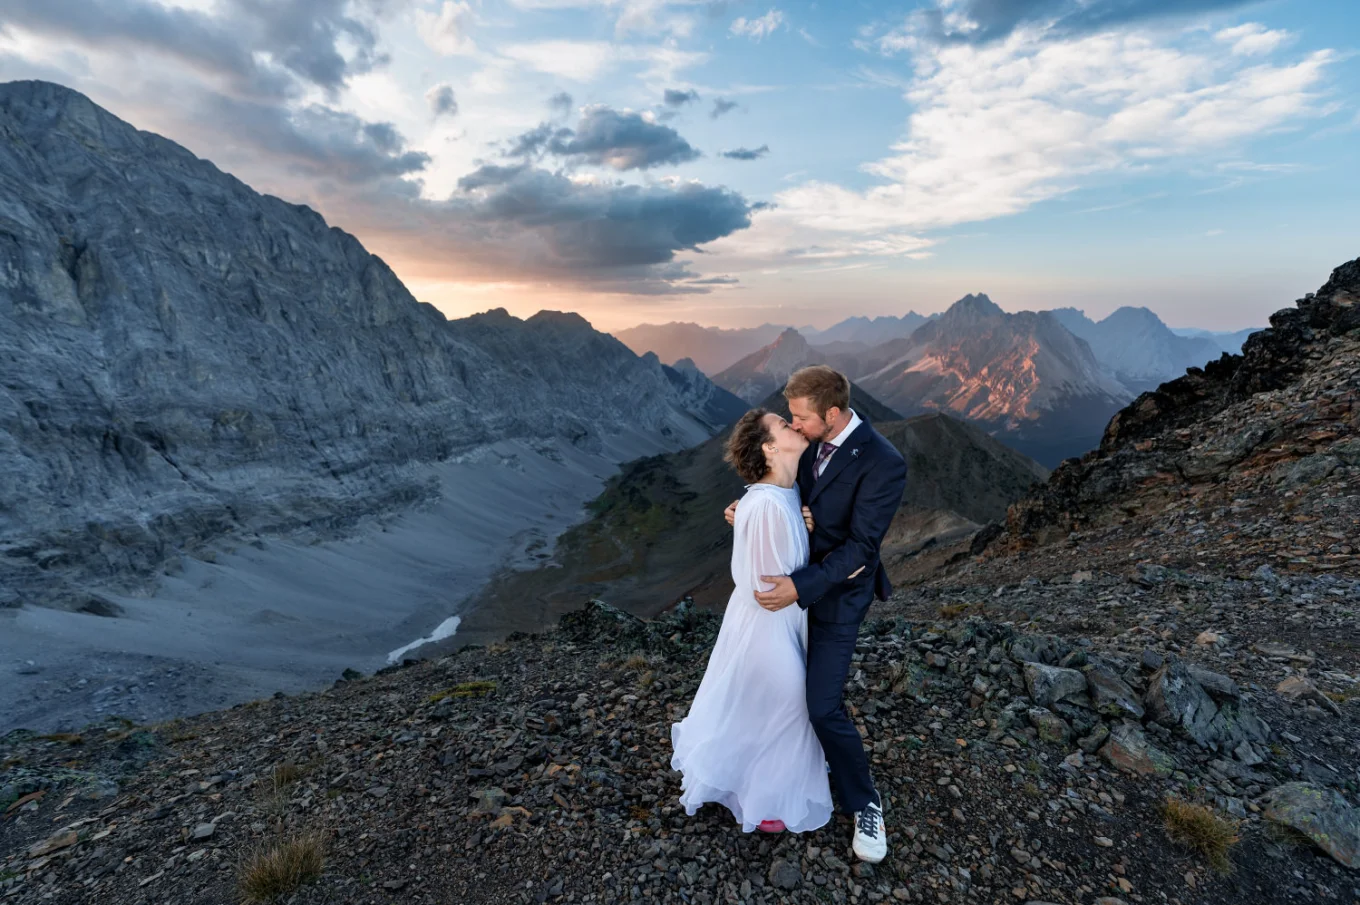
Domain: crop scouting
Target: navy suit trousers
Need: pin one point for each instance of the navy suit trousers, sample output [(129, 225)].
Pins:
[(830, 647)]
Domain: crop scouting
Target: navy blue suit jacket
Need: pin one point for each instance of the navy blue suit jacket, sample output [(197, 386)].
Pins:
[(852, 504)]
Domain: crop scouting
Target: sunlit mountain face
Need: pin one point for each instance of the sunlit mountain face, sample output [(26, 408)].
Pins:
[(1023, 376)]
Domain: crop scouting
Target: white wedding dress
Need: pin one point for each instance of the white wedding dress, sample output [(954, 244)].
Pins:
[(746, 742)]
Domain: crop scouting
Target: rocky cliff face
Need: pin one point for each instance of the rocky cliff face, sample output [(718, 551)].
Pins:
[(1279, 420), (182, 358)]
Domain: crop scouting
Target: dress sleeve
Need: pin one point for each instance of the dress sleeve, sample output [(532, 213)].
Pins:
[(770, 547)]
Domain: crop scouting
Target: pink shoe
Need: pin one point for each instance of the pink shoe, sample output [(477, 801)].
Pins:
[(772, 826)]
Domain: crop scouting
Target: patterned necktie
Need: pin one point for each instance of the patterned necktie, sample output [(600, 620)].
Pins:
[(823, 454)]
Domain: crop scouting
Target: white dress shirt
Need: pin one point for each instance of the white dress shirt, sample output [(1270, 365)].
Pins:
[(837, 440)]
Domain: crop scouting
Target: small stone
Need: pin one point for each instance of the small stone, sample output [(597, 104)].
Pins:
[(1051, 727), (784, 875), (1104, 841), (1297, 688), (204, 831)]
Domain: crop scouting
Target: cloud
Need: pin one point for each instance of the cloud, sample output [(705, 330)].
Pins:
[(979, 21), (441, 100), (721, 107), (539, 140), (560, 103), (610, 138), (1252, 39), (587, 61), (313, 140), (597, 232), (446, 32), (258, 48), (997, 128), (675, 98), (747, 153), (758, 29)]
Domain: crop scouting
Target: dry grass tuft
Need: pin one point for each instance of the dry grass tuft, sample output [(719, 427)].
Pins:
[(67, 737), (497, 647), (465, 690), (646, 679), (952, 611), (273, 871), (637, 661), (285, 774), (1199, 828)]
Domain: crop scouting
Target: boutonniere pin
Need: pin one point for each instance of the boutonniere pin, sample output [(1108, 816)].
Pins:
[(854, 453)]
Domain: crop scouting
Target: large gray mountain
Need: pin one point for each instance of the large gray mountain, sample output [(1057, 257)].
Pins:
[(1137, 349), (183, 359)]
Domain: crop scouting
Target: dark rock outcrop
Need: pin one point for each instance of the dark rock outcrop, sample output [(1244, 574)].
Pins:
[(1216, 419)]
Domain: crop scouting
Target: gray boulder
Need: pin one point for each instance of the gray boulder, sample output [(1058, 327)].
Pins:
[(1322, 815), (1111, 695), (1176, 698), (1050, 684)]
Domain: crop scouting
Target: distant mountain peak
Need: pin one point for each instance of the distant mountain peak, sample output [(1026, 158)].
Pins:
[(561, 318), (973, 306)]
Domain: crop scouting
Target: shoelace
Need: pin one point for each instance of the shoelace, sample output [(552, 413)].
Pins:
[(868, 820)]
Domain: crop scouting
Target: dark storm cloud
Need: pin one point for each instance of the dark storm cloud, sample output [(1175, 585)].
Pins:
[(747, 153), (721, 106), (997, 18), (674, 98)]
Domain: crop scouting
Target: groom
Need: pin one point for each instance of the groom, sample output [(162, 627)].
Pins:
[(852, 480)]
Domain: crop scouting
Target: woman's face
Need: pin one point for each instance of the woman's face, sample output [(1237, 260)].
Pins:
[(788, 443)]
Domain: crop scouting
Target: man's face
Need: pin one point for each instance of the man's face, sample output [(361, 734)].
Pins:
[(804, 418)]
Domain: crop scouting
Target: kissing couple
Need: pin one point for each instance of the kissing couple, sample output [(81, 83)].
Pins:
[(768, 723)]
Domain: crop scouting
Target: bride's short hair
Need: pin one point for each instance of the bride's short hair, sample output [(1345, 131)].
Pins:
[(744, 447)]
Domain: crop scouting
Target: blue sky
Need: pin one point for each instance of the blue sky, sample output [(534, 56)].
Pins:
[(736, 163)]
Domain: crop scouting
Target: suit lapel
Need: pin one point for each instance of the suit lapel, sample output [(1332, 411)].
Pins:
[(849, 451)]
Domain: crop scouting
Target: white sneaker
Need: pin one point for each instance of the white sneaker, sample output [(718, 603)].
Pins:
[(871, 836)]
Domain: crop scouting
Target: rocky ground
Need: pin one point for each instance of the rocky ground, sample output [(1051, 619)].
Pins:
[(1170, 622), (1019, 766)]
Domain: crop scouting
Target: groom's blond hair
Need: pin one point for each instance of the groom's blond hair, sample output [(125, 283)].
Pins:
[(826, 387)]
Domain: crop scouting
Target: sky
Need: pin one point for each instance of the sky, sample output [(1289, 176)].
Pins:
[(738, 163)]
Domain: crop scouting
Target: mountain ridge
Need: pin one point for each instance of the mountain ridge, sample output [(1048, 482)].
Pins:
[(234, 347)]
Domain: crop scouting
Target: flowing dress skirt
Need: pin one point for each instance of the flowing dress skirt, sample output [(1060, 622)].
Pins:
[(746, 742)]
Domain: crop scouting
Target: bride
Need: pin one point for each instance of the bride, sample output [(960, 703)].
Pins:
[(747, 743)]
